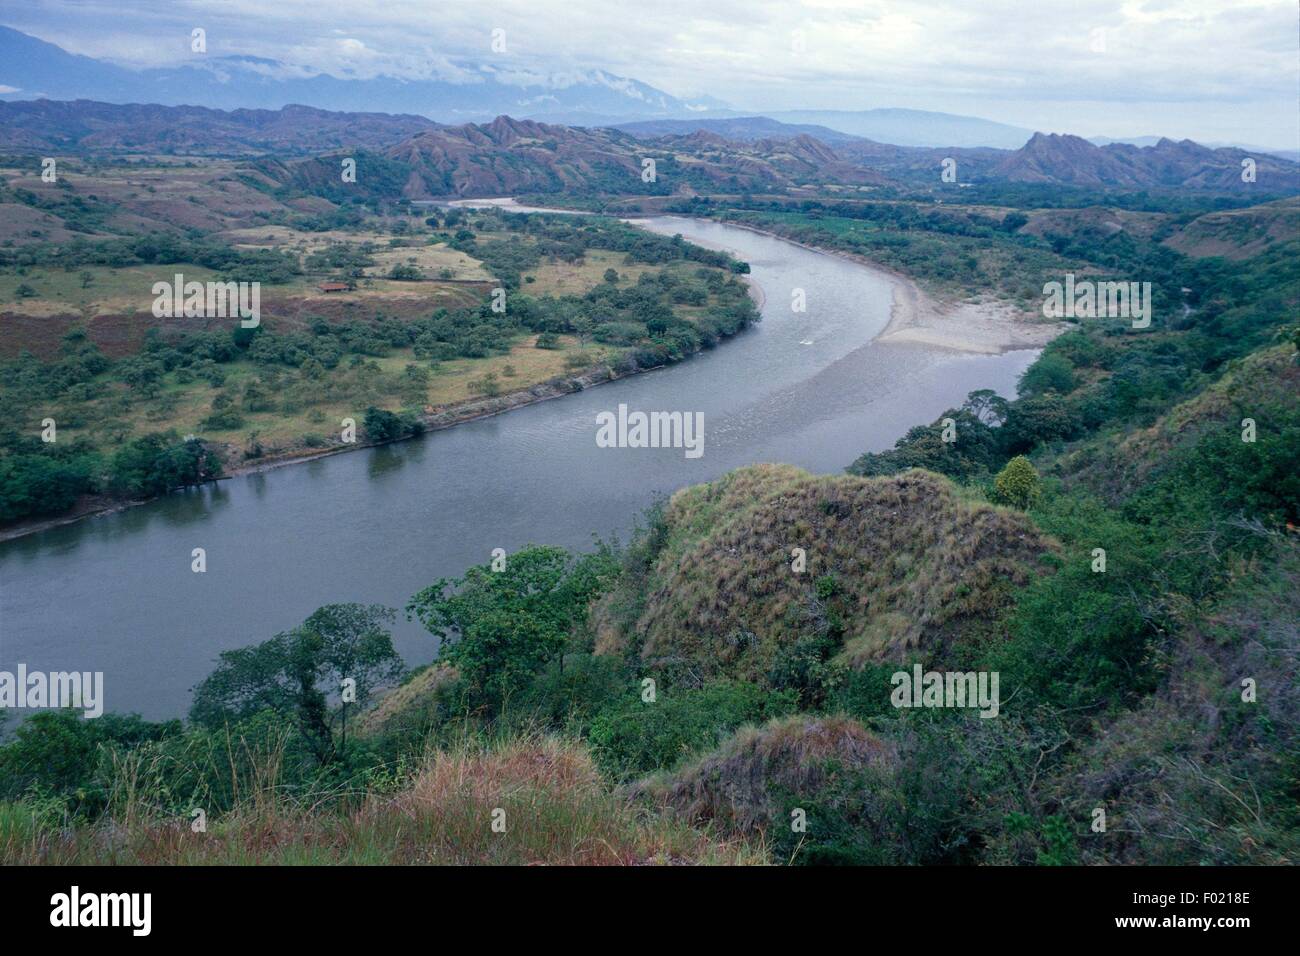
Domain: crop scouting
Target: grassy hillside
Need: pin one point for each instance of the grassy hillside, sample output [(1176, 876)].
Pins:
[(894, 567)]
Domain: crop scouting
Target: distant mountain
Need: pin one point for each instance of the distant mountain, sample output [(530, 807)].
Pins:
[(86, 126), (510, 156), (740, 128), (415, 158), (36, 69), (1072, 160), (921, 165), (913, 127), (1292, 155)]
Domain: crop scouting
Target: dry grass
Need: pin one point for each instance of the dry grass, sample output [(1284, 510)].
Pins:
[(556, 810), (910, 563), (558, 278), (742, 786), (408, 701)]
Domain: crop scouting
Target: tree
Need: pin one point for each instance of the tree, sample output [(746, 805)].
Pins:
[(405, 272), (499, 628), (582, 326), (1017, 484), (157, 463), (293, 673), (1051, 373), (382, 425), (987, 405)]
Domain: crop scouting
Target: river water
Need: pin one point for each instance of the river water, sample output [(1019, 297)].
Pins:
[(115, 593)]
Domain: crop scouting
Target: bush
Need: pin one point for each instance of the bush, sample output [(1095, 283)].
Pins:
[(636, 738), (382, 425), (1017, 484)]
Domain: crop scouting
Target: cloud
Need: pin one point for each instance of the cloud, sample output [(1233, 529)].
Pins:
[(1209, 68)]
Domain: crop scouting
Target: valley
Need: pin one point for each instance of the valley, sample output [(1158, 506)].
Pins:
[(785, 518)]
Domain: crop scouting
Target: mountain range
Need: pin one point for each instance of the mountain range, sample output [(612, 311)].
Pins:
[(88, 126), (421, 159)]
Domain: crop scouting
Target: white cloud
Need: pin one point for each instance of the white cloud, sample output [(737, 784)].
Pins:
[(1213, 69)]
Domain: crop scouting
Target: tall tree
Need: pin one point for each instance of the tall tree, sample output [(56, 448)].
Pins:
[(296, 672)]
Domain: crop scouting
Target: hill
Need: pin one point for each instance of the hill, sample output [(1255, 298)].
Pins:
[(905, 127), (85, 126), (740, 128), (895, 566), (1264, 386), (511, 156), (1072, 160), (1239, 234)]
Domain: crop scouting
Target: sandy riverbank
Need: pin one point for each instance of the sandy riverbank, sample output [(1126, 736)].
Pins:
[(985, 327)]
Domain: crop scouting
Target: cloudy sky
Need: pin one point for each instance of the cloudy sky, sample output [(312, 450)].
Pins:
[(1211, 70)]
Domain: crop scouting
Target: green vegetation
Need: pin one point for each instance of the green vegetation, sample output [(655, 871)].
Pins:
[(1117, 543), (240, 393)]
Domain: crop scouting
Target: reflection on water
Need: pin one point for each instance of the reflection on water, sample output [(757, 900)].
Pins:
[(116, 593)]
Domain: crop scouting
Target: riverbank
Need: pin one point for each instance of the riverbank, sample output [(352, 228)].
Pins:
[(436, 419), (914, 318), (981, 327)]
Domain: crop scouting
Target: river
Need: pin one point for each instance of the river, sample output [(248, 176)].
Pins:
[(115, 593)]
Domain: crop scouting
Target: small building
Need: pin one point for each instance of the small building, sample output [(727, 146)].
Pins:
[(333, 287)]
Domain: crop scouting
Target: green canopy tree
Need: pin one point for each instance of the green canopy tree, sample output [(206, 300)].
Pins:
[(500, 628), (294, 673)]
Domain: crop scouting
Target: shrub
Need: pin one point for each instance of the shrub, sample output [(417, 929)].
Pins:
[(382, 425), (1017, 484), (635, 737)]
